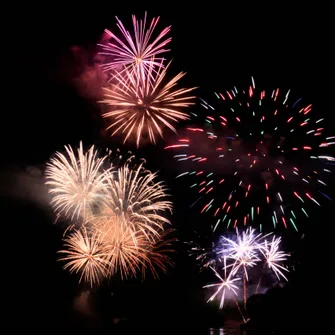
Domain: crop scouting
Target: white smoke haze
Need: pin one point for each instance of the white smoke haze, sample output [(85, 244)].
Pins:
[(25, 183)]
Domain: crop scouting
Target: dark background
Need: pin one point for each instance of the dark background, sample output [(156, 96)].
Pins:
[(219, 46)]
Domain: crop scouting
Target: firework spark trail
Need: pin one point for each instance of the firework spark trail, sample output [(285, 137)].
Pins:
[(274, 256), (143, 106), (158, 254), (126, 247), (138, 54), (128, 251), (110, 247), (135, 196), (226, 283), (77, 182), (86, 254), (257, 157), (238, 253), (126, 233), (244, 251), (205, 256)]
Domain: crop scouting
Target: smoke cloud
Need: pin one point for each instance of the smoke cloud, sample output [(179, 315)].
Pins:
[(83, 304), (81, 68), (25, 184)]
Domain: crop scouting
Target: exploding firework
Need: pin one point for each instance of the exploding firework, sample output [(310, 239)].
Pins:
[(112, 246), (240, 253), (274, 256), (136, 54), (126, 248), (228, 282), (158, 254), (244, 250), (77, 182), (256, 157), (86, 254), (126, 235), (143, 106), (137, 199)]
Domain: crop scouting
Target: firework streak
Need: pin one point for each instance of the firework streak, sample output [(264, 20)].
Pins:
[(256, 156)]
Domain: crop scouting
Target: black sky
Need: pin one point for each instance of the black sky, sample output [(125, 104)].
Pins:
[(219, 46)]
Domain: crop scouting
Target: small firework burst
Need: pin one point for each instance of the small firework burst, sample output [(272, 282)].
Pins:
[(135, 53), (77, 182), (85, 253), (141, 107)]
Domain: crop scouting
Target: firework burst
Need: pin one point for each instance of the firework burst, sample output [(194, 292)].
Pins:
[(136, 54), (237, 255), (126, 247), (137, 199), (143, 106), (254, 156), (274, 257), (244, 250), (227, 283), (86, 254), (125, 233), (76, 181), (129, 251), (158, 254)]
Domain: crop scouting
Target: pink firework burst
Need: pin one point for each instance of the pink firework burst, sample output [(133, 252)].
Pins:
[(137, 52)]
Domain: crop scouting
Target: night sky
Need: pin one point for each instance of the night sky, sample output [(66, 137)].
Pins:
[(48, 103)]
